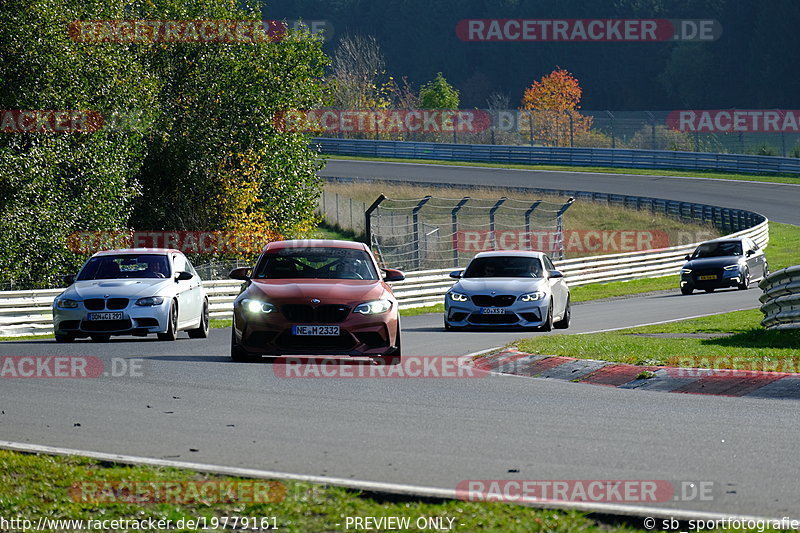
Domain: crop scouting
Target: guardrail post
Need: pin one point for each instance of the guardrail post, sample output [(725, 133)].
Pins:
[(415, 230), (454, 216), (368, 218), (528, 213), (491, 219)]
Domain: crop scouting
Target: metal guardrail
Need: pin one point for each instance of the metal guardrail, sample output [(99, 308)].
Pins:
[(543, 155), (780, 302), (29, 312)]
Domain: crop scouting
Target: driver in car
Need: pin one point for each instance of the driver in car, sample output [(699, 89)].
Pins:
[(154, 269)]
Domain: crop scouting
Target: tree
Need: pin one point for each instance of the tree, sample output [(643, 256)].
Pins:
[(358, 65), (552, 105), (208, 158), (438, 94)]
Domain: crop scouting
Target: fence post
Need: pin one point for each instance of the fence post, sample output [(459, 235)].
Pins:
[(415, 230), (528, 213), (560, 228), (652, 128), (613, 138), (491, 218), (454, 220), (368, 218)]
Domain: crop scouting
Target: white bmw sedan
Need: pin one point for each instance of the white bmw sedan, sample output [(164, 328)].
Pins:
[(135, 291)]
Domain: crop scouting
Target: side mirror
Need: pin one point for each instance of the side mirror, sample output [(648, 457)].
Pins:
[(750, 252), (390, 274), (456, 274), (688, 257), (69, 279), (555, 274), (183, 276), (241, 273)]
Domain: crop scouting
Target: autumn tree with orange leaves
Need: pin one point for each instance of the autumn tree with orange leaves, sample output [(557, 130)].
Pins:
[(551, 104)]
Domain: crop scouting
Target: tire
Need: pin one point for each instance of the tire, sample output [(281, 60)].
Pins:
[(745, 284), (172, 329), (64, 338), (686, 291), (202, 330), (239, 354), (564, 322), (396, 357), (548, 325), (100, 338)]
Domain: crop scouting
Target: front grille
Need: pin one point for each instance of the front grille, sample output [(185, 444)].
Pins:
[(484, 300), (69, 324), (106, 325), (146, 322), (117, 303), (95, 304), (531, 316), (476, 318), (302, 342), (323, 314)]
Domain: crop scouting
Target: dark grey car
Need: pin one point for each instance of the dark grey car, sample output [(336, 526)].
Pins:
[(723, 263)]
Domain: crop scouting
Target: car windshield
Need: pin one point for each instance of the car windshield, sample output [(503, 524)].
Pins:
[(319, 263), (718, 249), (504, 267), (125, 266)]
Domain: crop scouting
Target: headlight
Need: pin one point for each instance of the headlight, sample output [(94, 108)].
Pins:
[(458, 297), (532, 296), (151, 300), (257, 306), (373, 308), (686, 271), (66, 303), (732, 267)]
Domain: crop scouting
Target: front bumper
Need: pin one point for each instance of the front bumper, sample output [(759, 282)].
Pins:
[(724, 279), (359, 335), (135, 320), (517, 315)]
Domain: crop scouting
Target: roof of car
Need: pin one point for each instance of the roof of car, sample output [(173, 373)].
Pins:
[(314, 243), (153, 251), (510, 253), (726, 239)]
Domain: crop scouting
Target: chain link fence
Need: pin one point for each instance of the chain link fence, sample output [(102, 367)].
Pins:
[(434, 232)]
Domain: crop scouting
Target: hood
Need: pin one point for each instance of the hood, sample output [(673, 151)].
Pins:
[(713, 262), (327, 291), (500, 285), (118, 288)]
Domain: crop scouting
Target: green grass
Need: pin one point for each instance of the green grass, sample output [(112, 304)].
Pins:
[(730, 340), (770, 178), (35, 486)]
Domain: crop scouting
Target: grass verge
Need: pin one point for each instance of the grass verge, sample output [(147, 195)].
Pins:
[(770, 178), (37, 486), (730, 340)]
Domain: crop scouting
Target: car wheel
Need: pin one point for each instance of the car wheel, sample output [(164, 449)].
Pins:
[(564, 322), (202, 331), (745, 284), (172, 328), (64, 338), (709, 290), (686, 291), (548, 324), (239, 354), (100, 338)]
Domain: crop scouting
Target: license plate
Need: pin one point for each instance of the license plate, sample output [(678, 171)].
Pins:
[(704, 278), (105, 316), (322, 331), (492, 311)]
